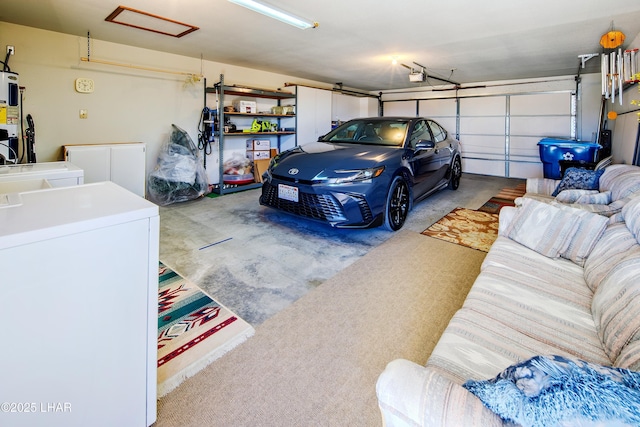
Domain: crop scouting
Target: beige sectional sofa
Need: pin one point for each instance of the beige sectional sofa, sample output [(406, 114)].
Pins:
[(557, 281)]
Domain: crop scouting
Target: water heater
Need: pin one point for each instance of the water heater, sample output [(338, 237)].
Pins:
[(9, 115)]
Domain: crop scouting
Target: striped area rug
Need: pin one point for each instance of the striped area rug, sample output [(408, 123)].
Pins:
[(193, 330), (505, 197)]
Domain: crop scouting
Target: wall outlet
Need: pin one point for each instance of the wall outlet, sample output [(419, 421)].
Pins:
[(83, 114), (11, 50)]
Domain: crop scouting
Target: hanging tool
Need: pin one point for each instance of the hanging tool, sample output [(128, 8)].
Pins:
[(205, 133)]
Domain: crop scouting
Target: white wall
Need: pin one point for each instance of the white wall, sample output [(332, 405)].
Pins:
[(128, 105)]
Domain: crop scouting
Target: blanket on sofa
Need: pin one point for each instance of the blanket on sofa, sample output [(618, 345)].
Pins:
[(554, 390)]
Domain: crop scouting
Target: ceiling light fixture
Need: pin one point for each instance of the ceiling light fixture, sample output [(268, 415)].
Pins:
[(275, 13)]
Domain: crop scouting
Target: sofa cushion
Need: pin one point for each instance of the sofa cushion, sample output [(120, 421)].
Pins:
[(581, 179), (558, 391), (521, 304), (616, 305), (542, 227), (626, 185), (631, 215), (613, 173), (614, 245)]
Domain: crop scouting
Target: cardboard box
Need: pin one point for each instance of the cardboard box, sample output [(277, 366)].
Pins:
[(258, 144), (260, 167), (242, 106), (259, 155)]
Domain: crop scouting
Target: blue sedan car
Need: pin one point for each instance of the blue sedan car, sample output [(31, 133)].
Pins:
[(365, 173)]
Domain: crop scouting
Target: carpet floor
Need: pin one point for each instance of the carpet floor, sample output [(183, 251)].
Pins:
[(316, 362)]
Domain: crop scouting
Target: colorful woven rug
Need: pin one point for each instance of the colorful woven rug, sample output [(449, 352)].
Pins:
[(193, 330), (466, 227)]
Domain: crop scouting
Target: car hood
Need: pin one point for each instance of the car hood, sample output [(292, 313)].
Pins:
[(313, 158)]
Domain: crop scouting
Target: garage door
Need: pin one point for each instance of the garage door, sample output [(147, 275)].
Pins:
[(499, 133)]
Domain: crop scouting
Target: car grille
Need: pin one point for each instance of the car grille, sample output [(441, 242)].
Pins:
[(365, 210), (317, 206)]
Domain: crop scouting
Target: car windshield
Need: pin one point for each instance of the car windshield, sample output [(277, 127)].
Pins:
[(374, 132)]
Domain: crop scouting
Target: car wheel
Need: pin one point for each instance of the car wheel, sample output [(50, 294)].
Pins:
[(397, 206), (456, 173)]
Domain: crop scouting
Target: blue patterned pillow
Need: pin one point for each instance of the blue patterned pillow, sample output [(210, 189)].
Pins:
[(547, 391), (579, 179)]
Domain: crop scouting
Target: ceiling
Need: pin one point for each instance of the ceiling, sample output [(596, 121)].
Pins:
[(463, 41)]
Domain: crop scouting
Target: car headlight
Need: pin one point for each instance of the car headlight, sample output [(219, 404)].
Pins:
[(344, 176)]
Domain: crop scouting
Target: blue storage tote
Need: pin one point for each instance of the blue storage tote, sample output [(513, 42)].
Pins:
[(553, 150)]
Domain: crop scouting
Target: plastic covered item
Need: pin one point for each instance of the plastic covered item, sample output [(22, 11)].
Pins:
[(179, 175)]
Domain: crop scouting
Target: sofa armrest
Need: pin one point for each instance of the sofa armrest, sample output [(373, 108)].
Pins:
[(544, 186), (506, 215), (414, 395)]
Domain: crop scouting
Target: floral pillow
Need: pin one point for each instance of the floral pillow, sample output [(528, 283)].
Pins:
[(547, 391), (579, 179)]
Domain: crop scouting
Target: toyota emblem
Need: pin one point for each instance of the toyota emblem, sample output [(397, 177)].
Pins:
[(293, 171)]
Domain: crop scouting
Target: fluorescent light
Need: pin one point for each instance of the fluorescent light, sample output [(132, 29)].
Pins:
[(274, 13)]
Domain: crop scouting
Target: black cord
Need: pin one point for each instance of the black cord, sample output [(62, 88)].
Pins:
[(205, 137)]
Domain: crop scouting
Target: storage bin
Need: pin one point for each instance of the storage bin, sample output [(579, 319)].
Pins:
[(553, 150)]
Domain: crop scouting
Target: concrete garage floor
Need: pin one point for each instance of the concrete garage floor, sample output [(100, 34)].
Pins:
[(256, 261)]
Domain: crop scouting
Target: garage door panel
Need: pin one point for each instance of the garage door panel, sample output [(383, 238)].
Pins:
[(524, 146), (482, 125), (400, 108), (541, 126), (540, 104), (483, 106), (483, 147), (448, 123), (437, 108), (484, 167)]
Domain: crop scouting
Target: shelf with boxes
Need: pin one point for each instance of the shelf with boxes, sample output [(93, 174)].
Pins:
[(251, 126)]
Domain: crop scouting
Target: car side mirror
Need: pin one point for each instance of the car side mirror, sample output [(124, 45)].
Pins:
[(425, 144)]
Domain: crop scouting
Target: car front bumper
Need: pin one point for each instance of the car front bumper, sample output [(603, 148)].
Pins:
[(344, 206)]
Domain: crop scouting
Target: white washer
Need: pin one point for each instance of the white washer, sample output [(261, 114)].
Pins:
[(58, 174)]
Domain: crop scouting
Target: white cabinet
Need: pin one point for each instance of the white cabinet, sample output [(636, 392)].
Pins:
[(124, 164), (313, 108), (78, 305)]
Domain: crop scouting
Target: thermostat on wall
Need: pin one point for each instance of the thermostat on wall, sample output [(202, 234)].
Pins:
[(84, 85)]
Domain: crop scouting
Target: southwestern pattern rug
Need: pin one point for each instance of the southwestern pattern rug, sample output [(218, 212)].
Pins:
[(193, 330), (466, 227)]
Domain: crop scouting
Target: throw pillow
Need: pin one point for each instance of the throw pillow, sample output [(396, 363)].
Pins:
[(603, 198), (547, 391), (573, 195), (542, 227), (590, 227), (580, 179)]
